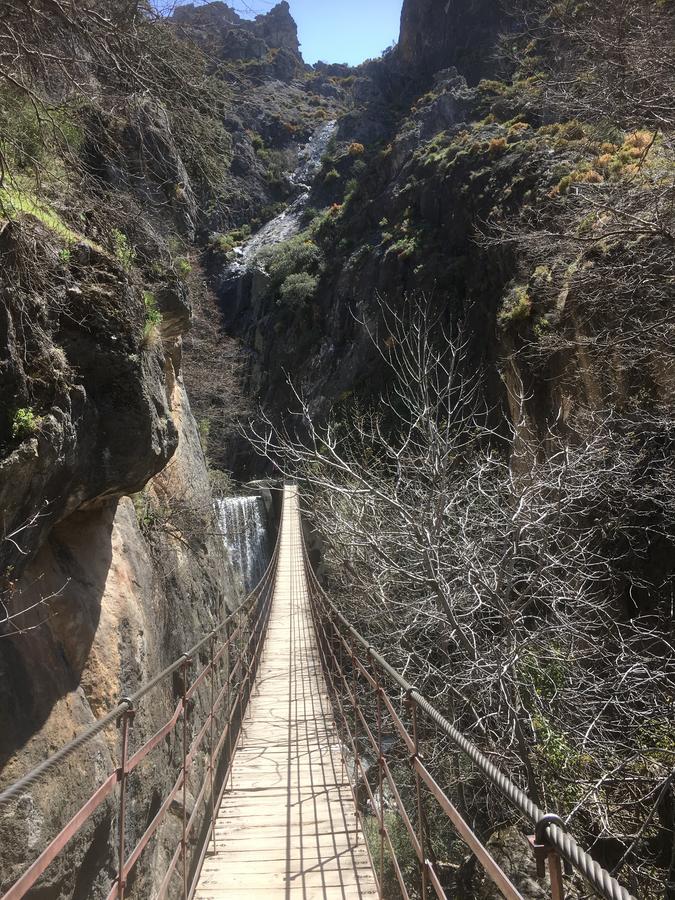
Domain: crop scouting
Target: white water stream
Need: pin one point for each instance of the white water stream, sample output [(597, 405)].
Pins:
[(287, 224), (242, 520)]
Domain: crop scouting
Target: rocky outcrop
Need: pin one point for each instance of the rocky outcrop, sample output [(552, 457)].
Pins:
[(133, 583), (437, 34), (218, 26), (278, 29), (100, 426)]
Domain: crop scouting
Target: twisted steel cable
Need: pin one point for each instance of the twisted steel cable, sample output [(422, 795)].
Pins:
[(557, 837), (19, 787)]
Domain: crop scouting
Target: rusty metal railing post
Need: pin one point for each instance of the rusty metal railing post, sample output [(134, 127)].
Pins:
[(211, 746), (380, 770), (418, 791), (356, 737), (341, 675), (545, 852), (127, 719), (184, 854), (228, 701)]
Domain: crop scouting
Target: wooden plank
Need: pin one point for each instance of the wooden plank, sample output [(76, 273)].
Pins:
[(286, 827)]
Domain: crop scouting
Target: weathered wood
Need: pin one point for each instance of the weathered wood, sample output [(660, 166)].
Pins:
[(286, 827)]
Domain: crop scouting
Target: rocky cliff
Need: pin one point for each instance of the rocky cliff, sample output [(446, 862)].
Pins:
[(111, 558), (432, 186), (437, 34), (224, 178), (276, 29)]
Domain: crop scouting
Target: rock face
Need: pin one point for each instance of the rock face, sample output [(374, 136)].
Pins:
[(278, 29), (238, 38), (102, 434), (130, 594), (436, 34), (111, 559), (99, 591)]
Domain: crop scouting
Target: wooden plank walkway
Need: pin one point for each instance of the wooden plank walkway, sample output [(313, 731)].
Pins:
[(286, 827)]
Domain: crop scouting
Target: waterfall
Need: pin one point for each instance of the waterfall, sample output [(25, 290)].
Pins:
[(242, 520), (284, 226)]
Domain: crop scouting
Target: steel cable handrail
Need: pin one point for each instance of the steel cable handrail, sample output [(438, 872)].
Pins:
[(253, 612), (561, 840), (126, 703)]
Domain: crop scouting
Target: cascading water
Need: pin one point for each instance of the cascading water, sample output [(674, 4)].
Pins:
[(242, 520), (234, 282)]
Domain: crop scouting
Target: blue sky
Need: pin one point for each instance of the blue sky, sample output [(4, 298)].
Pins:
[(338, 30), (346, 30)]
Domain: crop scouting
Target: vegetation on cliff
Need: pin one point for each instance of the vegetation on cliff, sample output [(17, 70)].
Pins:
[(476, 313), (500, 515)]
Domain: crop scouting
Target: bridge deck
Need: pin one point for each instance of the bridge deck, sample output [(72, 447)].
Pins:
[(286, 827)]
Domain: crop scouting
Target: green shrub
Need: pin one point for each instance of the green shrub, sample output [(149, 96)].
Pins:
[(183, 267), (351, 188), (405, 247), (298, 289), (153, 317), (225, 243), (24, 423), (64, 257), (332, 175), (146, 516), (518, 307), (488, 86), (122, 249), (299, 254), (276, 164), (256, 140)]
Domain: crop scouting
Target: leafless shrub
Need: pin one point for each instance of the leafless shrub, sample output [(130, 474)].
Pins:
[(529, 594), (70, 68), (212, 366), (609, 61)]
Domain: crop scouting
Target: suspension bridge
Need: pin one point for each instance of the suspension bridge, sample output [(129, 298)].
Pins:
[(300, 772)]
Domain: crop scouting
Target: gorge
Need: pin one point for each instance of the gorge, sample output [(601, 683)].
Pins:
[(436, 290)]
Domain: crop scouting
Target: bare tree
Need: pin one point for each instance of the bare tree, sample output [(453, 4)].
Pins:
[(514, 581), (609, 61)]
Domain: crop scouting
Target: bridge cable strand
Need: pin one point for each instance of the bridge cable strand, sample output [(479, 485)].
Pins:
[(19, 787), (579, 858)]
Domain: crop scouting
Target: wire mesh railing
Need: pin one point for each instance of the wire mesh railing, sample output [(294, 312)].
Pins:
[(382, 717), (215, 676), (386, 723)]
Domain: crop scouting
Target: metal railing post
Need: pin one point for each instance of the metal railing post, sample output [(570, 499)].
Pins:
[(184, 855), (420, 809), (356, 737), (341, 664), (127, 719), (228, 700), (380, 772), (211, 746), (545, 852)]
